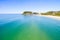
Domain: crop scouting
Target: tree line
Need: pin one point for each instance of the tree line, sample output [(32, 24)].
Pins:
[(54, 13)]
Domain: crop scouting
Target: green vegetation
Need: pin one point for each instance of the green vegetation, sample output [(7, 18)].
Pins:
[(54, 13), (27, 13), (30, 13), (35, 13)]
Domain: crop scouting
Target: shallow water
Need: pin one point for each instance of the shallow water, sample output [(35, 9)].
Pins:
[(20, 27)]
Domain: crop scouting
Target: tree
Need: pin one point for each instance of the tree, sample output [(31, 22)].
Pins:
[(27, 13)]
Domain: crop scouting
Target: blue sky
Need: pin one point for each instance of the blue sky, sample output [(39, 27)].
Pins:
[(18, 6)]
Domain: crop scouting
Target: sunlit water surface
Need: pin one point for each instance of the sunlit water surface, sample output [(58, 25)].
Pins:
[(20, 27)]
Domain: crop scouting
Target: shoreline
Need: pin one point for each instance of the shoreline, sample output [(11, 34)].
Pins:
[(50, 16)]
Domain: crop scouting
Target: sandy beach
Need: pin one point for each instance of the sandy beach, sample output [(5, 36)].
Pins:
[(54, 17)]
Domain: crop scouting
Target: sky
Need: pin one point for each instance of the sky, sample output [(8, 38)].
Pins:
[(19, 6)]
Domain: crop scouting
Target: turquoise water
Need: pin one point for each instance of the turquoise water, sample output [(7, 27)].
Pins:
[(20, 27)]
